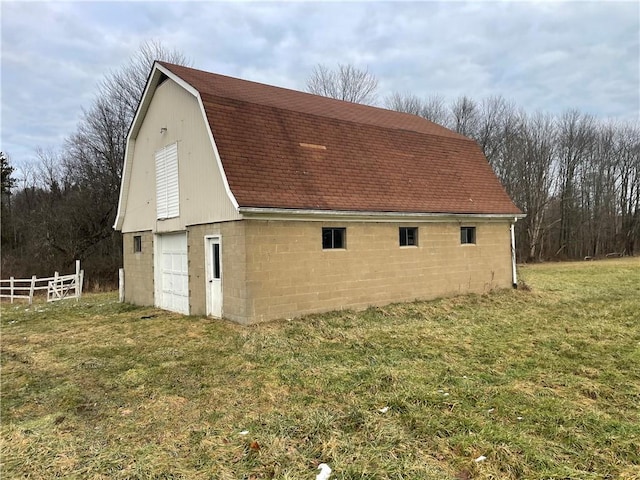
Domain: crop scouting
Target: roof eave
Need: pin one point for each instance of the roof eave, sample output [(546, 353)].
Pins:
[(354, 215)]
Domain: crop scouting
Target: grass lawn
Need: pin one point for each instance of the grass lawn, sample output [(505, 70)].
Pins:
[(543, 383)]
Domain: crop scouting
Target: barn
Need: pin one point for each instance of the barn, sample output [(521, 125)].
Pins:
[(253, 202)]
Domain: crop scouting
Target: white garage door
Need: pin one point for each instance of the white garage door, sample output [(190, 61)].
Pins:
[(172, 276)]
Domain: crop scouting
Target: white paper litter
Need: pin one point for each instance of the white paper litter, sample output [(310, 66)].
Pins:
[(244, 432), (491, 410), (325, 472), (520, 418), (481, 458), (383, 409)]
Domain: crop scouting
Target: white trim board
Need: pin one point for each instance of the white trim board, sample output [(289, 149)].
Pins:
[(332, 215)]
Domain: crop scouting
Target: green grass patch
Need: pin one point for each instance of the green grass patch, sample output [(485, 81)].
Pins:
[(544, 383)]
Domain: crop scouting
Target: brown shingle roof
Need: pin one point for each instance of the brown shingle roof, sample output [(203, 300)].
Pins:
[(286, 149)]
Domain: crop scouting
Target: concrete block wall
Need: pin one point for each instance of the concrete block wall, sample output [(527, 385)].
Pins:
[(277, 269), (196, 265), (234, 272), (289, 274), (233, 269), (138, 269)]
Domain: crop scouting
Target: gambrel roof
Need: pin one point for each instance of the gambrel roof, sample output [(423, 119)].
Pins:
[(286, 149)]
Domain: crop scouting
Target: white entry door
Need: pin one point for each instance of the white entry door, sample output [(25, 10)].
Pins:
[(171, 273), (213, 259)]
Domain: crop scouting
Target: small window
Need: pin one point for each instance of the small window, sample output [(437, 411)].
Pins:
[(333, 238), (408, 236), (467, 235), (216, 261), (137, 244)]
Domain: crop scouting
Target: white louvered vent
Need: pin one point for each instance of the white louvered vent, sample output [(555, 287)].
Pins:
[(167, 184)]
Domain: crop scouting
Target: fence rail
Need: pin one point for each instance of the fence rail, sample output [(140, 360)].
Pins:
[(57, 287)]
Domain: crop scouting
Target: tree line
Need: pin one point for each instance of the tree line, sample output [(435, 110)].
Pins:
[(576, 177)]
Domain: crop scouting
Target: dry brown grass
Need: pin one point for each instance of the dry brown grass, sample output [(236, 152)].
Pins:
[(544, 383)]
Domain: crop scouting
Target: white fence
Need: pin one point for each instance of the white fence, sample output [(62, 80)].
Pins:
[(57, 287)]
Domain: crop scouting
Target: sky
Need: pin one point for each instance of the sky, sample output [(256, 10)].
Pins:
[(545, 56)]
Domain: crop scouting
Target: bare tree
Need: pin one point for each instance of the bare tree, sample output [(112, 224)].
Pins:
[(49, 171), (346, 83), (464, 112), (125, 85), (575, 138), (628, 164), (507, 158), (537, 177), (407, 103), (494, 112), (434, 109)]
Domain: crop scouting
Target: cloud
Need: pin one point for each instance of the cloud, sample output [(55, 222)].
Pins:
[(547, 56)]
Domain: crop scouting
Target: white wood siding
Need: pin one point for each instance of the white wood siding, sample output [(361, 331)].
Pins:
[(174, 116)]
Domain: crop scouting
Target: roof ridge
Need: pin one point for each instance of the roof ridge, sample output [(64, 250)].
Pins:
[(442, 131)]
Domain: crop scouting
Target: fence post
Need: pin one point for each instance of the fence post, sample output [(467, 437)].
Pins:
[(32, 289), (11, 288), (121, 285), (78, 292), (53, 286)]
